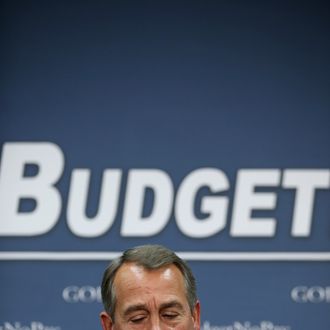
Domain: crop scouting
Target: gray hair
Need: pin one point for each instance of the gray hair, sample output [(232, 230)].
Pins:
[(150, 257)]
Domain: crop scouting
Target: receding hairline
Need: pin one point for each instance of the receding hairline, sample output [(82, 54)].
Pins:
[(147, 269)]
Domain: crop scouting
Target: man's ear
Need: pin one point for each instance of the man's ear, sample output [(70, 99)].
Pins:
[(197, 316), (106, 321)]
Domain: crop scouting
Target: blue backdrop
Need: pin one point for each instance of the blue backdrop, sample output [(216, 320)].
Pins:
[(176, 87)]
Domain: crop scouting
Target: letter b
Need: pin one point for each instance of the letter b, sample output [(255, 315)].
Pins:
[(14, 186)]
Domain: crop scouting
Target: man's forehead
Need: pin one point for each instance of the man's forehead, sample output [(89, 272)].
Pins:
[(131, 275), (139, 270)]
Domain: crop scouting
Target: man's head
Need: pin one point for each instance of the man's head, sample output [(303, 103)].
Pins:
[(149, 287)]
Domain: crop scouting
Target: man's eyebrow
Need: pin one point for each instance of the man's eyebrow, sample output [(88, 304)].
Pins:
[(171, 304), (143, 307), (134, 308)]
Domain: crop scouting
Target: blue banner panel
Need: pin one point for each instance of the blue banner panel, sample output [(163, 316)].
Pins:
[(199, 125)]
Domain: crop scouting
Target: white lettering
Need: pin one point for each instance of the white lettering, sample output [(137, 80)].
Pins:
[(215, 206), (85, 294), (246, 200), (134, 224), (30, 203), (78, 222), (14, 187), (305, 182), (314, 294), (34, 325)]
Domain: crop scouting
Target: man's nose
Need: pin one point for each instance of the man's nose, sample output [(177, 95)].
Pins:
[(156, 324)]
